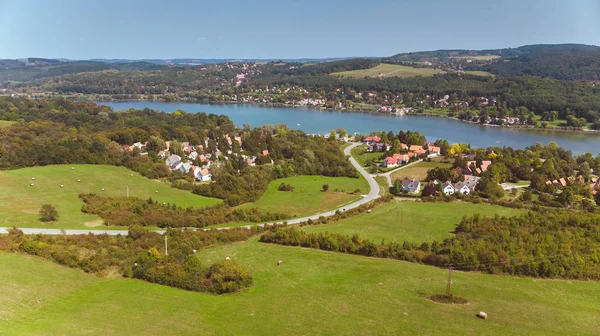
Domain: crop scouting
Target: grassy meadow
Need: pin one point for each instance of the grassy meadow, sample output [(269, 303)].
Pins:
[(6, 123), (413, 221), (20, 202), (388, 70), (419, 170), (312, 293), (359, 153), (308, 197)]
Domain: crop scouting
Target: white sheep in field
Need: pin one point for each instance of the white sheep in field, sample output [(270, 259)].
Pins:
[(78, 180), (31, 184), (482, 315), (62, 186)]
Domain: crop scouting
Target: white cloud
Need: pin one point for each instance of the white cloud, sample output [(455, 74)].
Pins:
[(202, 38)]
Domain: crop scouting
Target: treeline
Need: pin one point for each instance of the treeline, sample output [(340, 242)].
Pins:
[(550, 244), (137, 256), (133, 211), (563, 64)]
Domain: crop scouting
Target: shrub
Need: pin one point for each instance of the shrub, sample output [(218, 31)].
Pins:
[(285, 187), (48, 213), (325, 187)]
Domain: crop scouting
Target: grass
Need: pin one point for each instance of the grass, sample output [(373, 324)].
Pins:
[(308, 197), (20, 203), (6, 123), (360, 154), (312, 293), (388, 70), (478, 73), (384, 188), (413, 221), (419, 170)]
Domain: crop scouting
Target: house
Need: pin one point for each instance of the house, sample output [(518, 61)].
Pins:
[(471, 181), (193, 155), (472, 166), (434, 150), (461, 188), (420, 152), (202, 174), (265, 152), (173, 161), (185, 168), (414, 148), (371, 138), (563, 182), (447, 188), (395, 160), (139, 145), (162, 154), (411, 186)]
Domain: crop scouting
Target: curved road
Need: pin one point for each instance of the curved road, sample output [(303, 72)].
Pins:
[(373, 194)]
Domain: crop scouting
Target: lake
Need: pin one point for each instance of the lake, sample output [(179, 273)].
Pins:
[(320, 121)]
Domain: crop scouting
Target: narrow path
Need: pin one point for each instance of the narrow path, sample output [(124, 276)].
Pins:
[(373, 194), (388, 175)]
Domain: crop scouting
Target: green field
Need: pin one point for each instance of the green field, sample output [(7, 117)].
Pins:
[(6, 123), (308, 197), (478, 73), (419, 170), (312, 293), (412, 221), (20, 203), (388, 70), (362, 157)]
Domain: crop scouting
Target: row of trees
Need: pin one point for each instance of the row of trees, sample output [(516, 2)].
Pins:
[(550, 244), (138, 255)]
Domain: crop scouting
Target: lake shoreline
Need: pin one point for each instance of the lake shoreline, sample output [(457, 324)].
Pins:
[(356, 110)]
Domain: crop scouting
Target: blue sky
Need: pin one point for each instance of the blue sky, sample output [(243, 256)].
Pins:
[(84, 29)]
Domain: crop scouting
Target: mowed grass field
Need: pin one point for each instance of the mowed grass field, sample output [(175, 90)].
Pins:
[(313, 293), (6, 123), (20, 202), (360, 154), (308, 197), (419, 170), (388, 70), (411, 221)]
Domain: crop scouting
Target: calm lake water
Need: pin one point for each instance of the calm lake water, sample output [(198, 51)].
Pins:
[(318, 121)]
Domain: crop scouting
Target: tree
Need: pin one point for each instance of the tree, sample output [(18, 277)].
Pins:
[(396, 146), (597, 198), (342, 132), (155, 144), (429, 190), (325, 187), (332, 135), (48, 213), (526, 196)]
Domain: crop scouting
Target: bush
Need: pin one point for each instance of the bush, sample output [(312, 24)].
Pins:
[(325, 187), (48, 213), (285, 187)]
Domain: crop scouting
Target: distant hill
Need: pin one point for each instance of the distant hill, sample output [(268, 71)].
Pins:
[(36, 68), (559, 61)]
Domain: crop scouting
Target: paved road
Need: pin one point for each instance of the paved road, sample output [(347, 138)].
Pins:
[(388, 174), (373, 194)]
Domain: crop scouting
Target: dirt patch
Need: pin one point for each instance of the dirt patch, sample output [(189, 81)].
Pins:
[(448, 299), (31, 211), (94, 223)]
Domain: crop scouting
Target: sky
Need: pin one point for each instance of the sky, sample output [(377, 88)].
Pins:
[(86, 29)]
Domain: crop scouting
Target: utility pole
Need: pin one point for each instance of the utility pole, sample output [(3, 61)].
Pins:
[(449, 280), (166, 246)]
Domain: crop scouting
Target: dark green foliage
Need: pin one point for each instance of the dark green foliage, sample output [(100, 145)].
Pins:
[(48, 213), (141, 255), (285, 187), (325, 187), (132, 211), (553, 244)]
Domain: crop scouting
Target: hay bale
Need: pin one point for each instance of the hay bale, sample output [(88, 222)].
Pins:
[(482, 315)]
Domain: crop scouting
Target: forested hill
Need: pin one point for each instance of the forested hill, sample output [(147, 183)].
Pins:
[(558, 61), (35, 68)]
